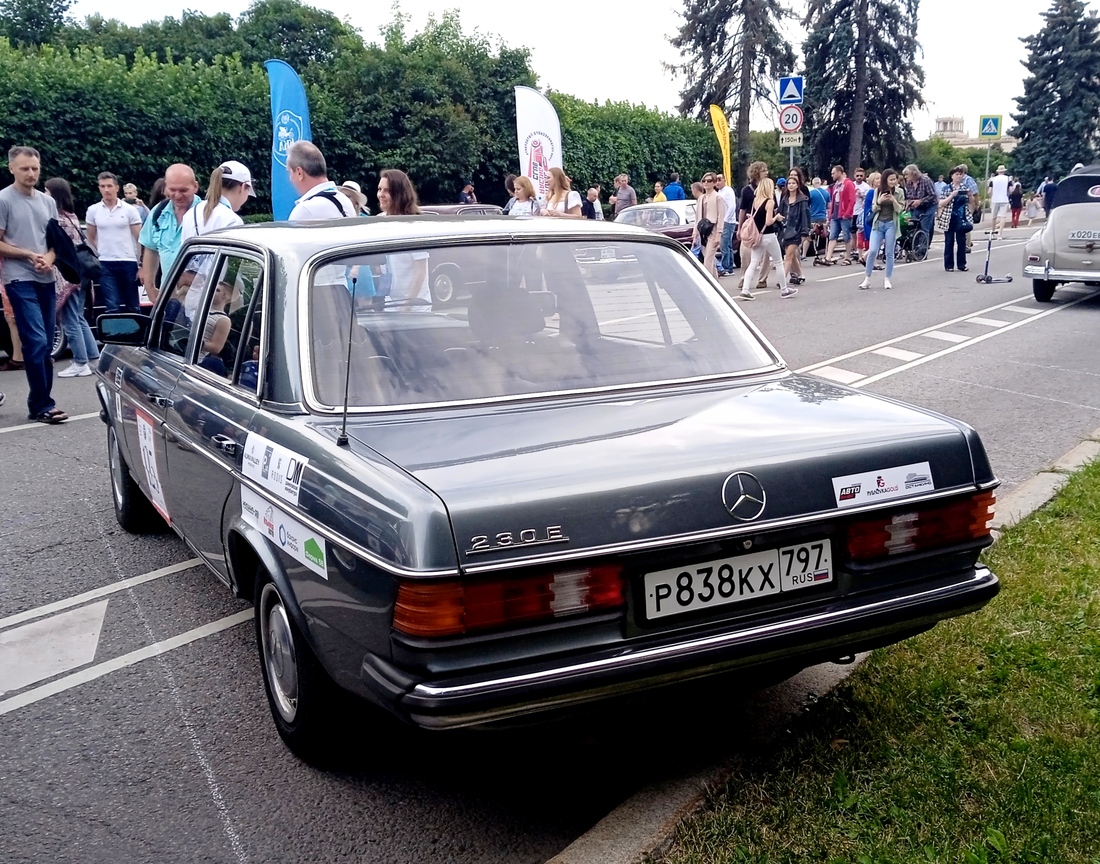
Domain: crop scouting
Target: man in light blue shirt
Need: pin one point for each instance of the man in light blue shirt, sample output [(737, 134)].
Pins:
[(162, 233)]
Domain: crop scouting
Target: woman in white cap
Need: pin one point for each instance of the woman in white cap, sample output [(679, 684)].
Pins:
[(230, 186)]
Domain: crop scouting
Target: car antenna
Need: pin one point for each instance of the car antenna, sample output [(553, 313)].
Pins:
[(342, 438)]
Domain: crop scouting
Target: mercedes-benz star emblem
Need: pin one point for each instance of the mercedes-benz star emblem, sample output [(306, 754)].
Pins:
[(743, 496)]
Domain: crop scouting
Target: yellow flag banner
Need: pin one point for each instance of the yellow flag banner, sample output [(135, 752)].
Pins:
[(722, 130)]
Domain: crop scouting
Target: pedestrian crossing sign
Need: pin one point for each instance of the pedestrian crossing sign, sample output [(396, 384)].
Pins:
[(790, 90), (989, 126)]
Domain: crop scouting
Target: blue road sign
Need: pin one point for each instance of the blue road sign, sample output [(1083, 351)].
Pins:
[(790, 90)]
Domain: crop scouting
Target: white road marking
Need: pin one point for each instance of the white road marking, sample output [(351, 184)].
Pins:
[(22, 426), (631, 318), (43, 649), (95, 594), (907, 366), (897, 353), (842, 376), (859, 270), (1023, 310), (37, 694), (945, 337), (988, 322)]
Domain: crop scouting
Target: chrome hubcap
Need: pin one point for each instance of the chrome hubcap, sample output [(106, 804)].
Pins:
[(116, 467), (279, 658), (444, 288)]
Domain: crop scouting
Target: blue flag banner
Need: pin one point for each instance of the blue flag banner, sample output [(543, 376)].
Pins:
[(289, 123)]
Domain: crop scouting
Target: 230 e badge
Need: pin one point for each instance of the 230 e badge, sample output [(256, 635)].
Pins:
[(507, 539)]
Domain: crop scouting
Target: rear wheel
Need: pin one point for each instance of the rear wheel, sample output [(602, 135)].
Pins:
[(60, 343), (299, 691), (446, 281), (135, 513), (1043, 289), (918, 245)]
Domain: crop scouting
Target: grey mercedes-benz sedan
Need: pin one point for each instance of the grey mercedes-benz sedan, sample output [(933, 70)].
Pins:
[(564, 488)]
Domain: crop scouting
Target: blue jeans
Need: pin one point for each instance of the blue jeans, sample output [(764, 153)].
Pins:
[(725, 263), (118, 282), (882, 231), (841, 229), (77, 332), (34, 305)]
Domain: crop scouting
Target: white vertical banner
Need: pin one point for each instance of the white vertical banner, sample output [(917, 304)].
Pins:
[(539, 134)]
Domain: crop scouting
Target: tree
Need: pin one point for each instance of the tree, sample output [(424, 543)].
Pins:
[(862, 80), (32, 22), (1059, 116), (735, 51), (291, 31)]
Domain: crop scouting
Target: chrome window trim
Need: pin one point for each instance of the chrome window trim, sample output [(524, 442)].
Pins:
[(719, 533), (319, 259)]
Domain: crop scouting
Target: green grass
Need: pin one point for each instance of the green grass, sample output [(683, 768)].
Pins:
[(978, 741)]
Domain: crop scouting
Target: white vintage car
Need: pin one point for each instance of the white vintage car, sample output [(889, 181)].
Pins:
[(1067, 248)]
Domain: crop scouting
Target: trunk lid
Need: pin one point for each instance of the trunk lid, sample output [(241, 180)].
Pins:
[(523, 481)]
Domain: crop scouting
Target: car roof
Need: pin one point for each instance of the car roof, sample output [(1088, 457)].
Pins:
[(309, 238)]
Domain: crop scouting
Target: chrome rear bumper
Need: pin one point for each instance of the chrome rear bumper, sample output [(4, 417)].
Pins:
[(1045, 271), (858, 623)]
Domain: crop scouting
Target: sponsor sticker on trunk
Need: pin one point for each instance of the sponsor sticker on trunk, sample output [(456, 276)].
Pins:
[(286, 532), (872, 486), (274, 467)]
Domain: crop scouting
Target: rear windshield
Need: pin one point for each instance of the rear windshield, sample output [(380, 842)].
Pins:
[(449, 324), (1078, 190)]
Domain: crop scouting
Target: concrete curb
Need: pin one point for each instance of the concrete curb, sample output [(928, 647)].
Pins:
[(642, 828)]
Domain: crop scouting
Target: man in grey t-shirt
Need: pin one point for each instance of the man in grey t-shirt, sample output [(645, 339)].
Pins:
[(28, 276), (625, 196)]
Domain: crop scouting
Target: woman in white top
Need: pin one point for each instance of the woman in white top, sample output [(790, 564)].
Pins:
[(406, 279), (562, 201), (524, 203), (230, 186)]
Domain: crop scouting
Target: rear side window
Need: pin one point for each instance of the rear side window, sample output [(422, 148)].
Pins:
[(517, 319)]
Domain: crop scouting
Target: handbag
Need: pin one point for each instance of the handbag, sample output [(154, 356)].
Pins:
[(751, 235), (965, 225), (704, 225), (943, 220), (87, 256)]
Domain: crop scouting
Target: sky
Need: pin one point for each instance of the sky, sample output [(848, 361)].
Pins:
[(972, 57)]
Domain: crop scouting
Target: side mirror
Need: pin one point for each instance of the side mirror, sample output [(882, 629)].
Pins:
[(123, 328)]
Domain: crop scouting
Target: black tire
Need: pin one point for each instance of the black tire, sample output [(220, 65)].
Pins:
[(60, 343), (135, 513), (446, 280), (1043, 289), (302, 697), (918, 245)]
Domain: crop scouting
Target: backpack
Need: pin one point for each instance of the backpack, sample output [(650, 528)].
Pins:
[(330, 195), (751, 236)]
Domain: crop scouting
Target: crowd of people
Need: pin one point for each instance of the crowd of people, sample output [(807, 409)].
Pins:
[(769, 226)]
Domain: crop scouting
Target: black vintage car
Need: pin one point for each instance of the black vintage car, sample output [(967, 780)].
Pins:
[(559, 490)]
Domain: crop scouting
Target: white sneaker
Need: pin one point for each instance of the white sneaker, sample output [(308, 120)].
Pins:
[(746, 295), (865, 284), (789, 291), (888, 285), (76, 370)]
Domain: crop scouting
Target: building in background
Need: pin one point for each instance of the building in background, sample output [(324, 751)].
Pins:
[(953, 130)]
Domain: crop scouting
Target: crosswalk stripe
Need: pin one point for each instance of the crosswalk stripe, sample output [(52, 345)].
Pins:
[(945, 337), (897, 353), (841, 376)]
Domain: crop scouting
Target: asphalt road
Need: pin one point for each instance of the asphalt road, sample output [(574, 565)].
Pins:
[(149, 739)]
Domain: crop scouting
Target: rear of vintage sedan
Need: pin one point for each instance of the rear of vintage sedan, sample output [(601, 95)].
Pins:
[(1067, 248), (637, 490)]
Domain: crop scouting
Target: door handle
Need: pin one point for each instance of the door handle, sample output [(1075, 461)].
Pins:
[(160, 401), (224, 443)]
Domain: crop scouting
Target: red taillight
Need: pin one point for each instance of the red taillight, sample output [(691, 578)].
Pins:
[(918, 530), (450, 607)]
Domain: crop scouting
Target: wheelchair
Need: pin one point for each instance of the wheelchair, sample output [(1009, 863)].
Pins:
[(912, 243)]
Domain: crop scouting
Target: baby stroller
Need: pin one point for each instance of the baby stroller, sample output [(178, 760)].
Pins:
[(912, 242)]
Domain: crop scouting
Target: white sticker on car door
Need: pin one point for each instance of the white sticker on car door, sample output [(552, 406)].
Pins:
[(274, 467), (147, 440)]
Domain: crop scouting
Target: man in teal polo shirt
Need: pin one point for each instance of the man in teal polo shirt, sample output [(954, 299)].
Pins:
[(161, 235)]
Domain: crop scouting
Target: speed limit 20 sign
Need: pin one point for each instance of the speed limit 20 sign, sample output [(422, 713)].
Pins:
[(790, 118)]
